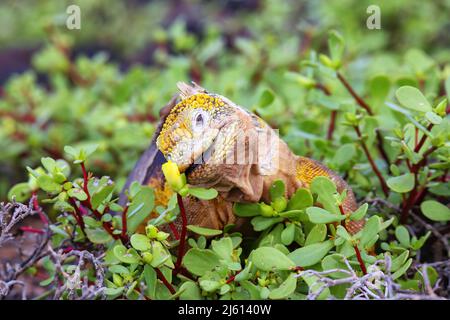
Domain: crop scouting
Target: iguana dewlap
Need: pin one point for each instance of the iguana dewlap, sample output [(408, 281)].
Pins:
[(220, 145)]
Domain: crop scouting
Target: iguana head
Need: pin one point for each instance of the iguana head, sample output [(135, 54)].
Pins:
[(220, 145), (199, 129)]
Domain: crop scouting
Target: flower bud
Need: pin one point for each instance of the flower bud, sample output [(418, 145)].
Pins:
[(263, 282), (266, 210), (147, 257), (151, 231), (279, 204), (173, 176)]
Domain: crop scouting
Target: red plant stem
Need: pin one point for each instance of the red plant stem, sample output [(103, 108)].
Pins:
[(415, 168), (360, 101), (174, 230), (352, 92), (38, 209), (298, 268), (324, 89), (143, 295), (383, 184), (306, 42), (124, 222), (85, 182), (68, 249), (182, 244), (78, 216), (164, 281), (416, 136), (106, 225), (419, 145), (231, 279), (332, 125), (408, 164), (355, 247), (83, 211), (381, 148), (27, 118), (341, 209), (420, 194), (443, 178), (422, 140), (408, 205), (333, 114), (415, 195), (31, 230), (361, 262)]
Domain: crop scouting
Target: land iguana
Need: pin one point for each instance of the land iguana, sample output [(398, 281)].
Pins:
[(212, 140)]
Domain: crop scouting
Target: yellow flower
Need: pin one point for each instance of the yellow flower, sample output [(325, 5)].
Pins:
[(173, 177)]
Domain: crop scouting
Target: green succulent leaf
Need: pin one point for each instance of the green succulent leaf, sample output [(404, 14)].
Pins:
[(262, 223), (47, 184), (190, 291), (301, 199), (402, 235), (401, 271), (311, 254), (150, 278), (325, 190), (399, 261), (336, 45), (288, 234), (266, 99), (140, 208), (140, 242), (343, 233), (360, 212), (401, 184), (370, 230), (20, 192), (199, 261), (269, 259), (246, 209), (435, 211), (277, 190), (433, 118), (202, 193), (319, 215), (204, 231), (77, 193), (413, 99), (285, 289), (317, 234), (98, 236), (126, 255)]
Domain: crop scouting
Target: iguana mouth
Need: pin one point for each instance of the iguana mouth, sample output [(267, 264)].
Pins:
[(201, 159)]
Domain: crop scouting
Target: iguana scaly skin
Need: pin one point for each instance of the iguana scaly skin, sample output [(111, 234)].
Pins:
[(199, 132)]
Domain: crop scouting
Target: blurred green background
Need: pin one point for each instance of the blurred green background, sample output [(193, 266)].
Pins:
[(138, 31), (106, 83)]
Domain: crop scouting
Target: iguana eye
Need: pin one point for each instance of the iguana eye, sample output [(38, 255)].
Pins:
[(199, 120)]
